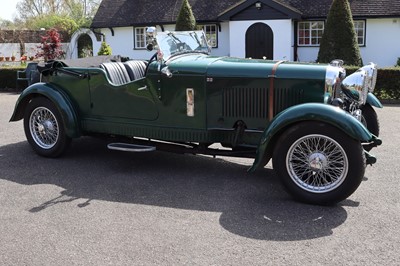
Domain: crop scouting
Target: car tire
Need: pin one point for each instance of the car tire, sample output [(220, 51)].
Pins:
[(370, 119), (318, 163), (44, 128)]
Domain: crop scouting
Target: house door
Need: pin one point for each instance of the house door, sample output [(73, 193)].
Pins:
[(259, 41)]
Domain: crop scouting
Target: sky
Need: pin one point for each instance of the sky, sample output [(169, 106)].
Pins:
[(7, 9)]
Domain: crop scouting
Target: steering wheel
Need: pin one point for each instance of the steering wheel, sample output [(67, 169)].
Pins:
[(154, 57)]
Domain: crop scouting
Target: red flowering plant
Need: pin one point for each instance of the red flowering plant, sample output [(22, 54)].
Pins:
[(51, 47)]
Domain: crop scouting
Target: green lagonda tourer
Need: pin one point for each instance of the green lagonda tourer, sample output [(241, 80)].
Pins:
[(316, 124)]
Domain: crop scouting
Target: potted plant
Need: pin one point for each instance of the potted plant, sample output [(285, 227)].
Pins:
[(13, 56), (7, 58), (1, 58)]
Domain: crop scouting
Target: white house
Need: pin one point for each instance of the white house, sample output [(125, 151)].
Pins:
[(275, 29)]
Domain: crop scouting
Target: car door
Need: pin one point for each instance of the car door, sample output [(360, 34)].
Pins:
[(132, 100)]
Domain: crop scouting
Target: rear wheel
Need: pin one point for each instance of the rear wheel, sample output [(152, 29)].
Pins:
[(44, 128), (318, 163)]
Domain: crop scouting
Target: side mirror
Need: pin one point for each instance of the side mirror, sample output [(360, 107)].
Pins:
[(165, 71)]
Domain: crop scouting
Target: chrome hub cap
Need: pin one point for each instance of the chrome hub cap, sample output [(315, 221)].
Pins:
[(44, 128), (317, 163)]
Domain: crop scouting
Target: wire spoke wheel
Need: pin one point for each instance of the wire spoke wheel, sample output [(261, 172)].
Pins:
[(317, 163), (44, 127)]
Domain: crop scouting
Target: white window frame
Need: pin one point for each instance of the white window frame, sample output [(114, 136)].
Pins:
[(311, 32), (315, 32), (359, 27), (211, 31), (140, 38)]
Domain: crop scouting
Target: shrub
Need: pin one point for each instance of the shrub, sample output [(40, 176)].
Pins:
[(58, 22), (8, 77), (339, 38), (51, 47), (185, 20), (105, 49), (388, 84)]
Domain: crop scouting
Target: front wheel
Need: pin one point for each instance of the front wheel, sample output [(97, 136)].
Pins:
[(318, 163), (370, 119), (44, 128)]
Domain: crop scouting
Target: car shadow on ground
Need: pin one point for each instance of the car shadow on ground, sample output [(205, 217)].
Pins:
[(252, 205)]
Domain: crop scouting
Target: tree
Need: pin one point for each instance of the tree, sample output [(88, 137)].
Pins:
[(81, 12), (6, 24), (51, 47), (186, 20), (339, 40), (33, 8), (54, 21)]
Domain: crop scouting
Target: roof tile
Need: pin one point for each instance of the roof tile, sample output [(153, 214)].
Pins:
[(122, 13)]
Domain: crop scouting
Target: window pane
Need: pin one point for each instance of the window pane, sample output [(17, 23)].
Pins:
[(310, 32), (359, 27), (211, 33), (141, 38)]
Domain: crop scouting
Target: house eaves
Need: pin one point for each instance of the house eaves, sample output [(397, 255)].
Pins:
[(312, 9), (123, 13), (260, 9)]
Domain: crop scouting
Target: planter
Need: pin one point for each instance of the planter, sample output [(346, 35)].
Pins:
[(7, 58), (12, 58), (1, 58)]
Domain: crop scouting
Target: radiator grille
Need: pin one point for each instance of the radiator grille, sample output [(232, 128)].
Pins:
[(253, 102), (285, 97), (245, 102)]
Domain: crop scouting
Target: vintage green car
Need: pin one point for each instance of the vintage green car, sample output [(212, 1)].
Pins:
[(316, 124)]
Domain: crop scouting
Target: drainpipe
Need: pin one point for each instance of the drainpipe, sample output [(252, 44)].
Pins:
[(295, 46)]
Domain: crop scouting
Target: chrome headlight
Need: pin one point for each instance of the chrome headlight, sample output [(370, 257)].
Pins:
[(372, 74), (334, 74), (355, 86)]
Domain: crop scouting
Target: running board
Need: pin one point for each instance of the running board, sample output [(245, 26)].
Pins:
[(130, 147)]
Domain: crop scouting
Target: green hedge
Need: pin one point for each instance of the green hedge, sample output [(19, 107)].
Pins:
[(8, 77), (388, 82)]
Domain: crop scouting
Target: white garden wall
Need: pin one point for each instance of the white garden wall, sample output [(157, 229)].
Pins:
[(31, 49)]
